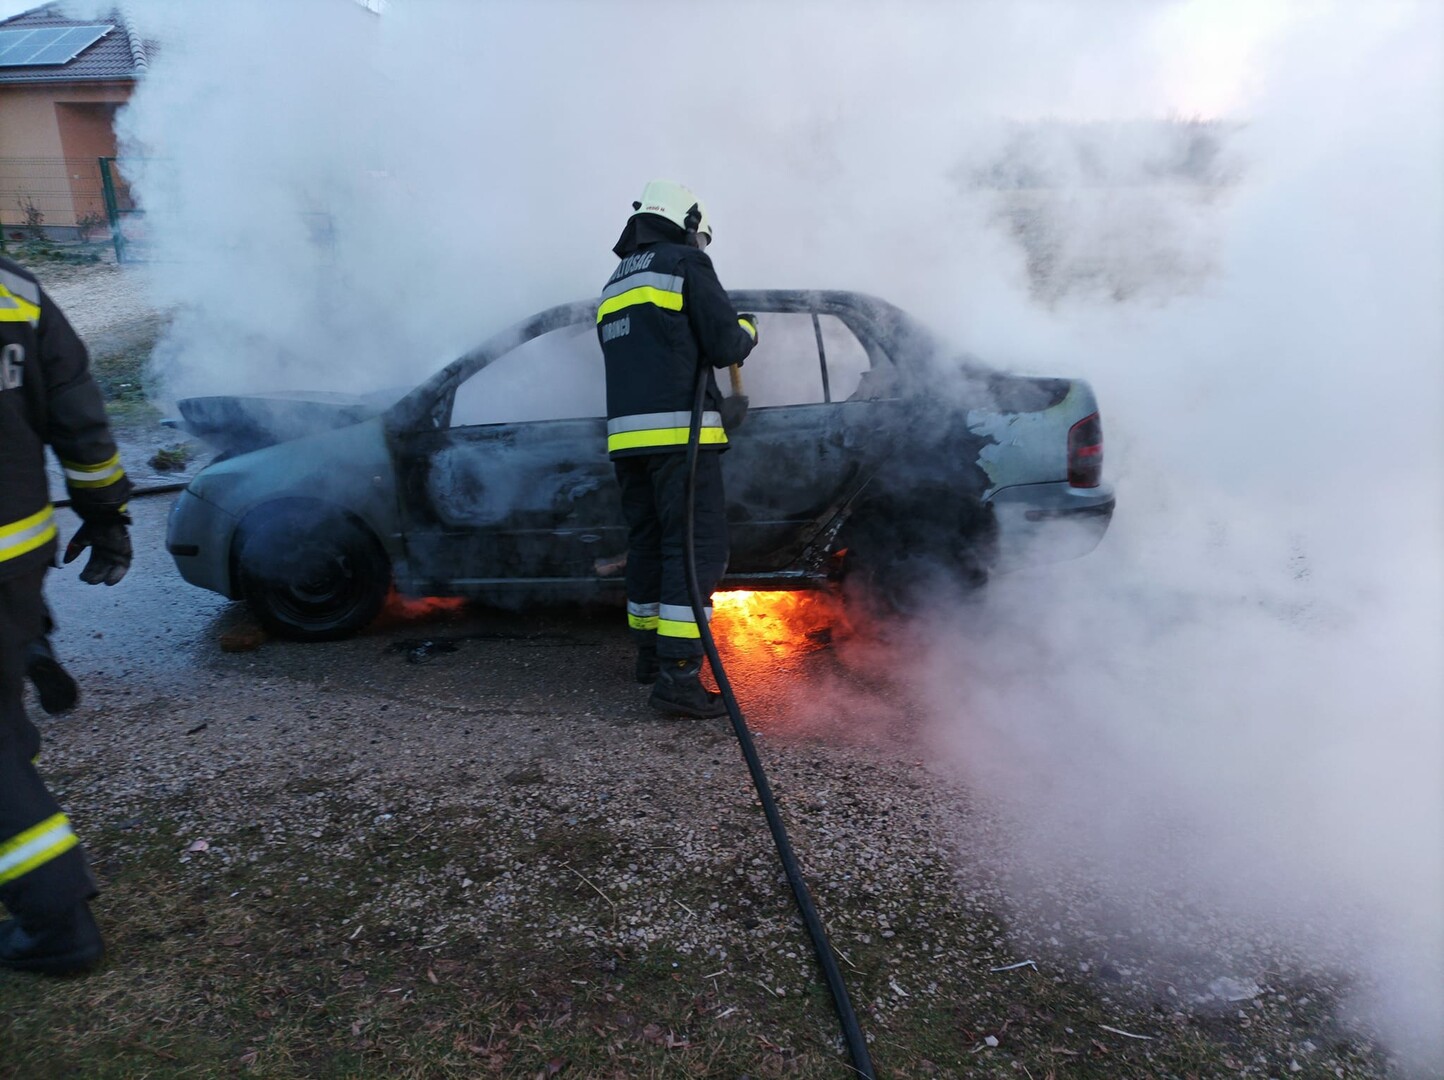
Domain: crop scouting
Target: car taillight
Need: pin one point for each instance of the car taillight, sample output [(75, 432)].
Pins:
[(1085, 452)]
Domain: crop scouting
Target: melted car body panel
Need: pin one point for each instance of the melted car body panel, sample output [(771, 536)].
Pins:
[(501, 502), (348, 470)]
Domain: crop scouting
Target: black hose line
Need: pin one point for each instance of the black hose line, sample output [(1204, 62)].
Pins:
[(856, 1042), (140, 493)]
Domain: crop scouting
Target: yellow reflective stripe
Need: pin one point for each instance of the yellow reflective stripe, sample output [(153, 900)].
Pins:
[(653, 421), (635, 440), (665, 282), (676, 628), (93, 476), (751, 330), (643, 294), (19, 287), (27, 534), (16, 309), (35, 846), (641, 622)]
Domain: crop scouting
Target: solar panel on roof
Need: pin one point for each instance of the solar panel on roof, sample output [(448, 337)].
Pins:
[(47, 46)]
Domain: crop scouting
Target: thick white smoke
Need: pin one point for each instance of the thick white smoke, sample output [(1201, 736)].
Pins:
[(1237, 699), (1240, 690), (323, 183)]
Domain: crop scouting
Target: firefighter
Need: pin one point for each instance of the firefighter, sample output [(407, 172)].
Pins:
[(46, 397), (664, 314)]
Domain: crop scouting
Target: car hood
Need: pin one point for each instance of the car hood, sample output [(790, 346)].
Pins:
[(237, 424), (349, 468)]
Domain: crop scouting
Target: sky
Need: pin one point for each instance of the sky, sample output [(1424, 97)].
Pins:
[(16, 7), (1236, 698), (9, 8)]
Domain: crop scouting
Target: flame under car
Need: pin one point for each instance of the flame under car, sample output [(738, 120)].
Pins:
[(871, 454)]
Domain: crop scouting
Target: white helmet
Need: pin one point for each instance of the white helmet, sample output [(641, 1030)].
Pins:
[(677, 204)]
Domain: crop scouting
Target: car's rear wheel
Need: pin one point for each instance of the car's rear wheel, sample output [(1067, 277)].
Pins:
[(311, 574), (904, 559)]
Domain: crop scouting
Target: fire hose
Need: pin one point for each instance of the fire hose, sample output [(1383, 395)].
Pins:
[(856, 1042), (142, 492)]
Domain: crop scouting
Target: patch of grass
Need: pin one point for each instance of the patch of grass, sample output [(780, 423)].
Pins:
[(28, 251), (118, 362), (340, 942), (135, 416), (172, 458)]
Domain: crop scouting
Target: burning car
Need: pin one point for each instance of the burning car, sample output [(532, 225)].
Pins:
[(871, 452)]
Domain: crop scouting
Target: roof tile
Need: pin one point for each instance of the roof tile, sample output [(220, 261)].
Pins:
[(112, 57)]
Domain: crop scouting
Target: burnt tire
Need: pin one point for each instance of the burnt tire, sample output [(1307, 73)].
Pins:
[(903, 560), (311, 575)]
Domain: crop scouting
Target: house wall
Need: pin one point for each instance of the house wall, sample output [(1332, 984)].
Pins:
[(87, 132), (50, 138)]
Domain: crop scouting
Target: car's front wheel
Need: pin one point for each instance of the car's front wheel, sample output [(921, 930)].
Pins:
[(311, 574)]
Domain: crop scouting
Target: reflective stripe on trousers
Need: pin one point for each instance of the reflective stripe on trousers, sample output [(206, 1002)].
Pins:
[(678, 621), (35, 846), (642, 616)]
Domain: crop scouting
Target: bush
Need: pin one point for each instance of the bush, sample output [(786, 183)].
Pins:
[(87, 223)]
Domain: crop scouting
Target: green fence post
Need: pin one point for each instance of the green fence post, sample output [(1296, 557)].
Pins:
[(112, 208)]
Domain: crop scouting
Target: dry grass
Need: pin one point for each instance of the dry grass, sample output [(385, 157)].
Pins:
[(338, 953)]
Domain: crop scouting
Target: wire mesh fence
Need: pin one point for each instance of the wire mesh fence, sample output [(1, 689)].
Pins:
[(67, 199)]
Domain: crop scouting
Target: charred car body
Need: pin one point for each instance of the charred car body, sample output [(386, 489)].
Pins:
[(869, 452)]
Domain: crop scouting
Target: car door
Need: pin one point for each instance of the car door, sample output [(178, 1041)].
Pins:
[(518, 487), (810, 438)]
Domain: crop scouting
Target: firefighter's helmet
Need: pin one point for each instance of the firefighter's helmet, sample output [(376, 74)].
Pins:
[(678, 205)]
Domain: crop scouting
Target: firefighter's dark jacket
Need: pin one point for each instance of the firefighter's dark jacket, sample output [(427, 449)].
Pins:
[(48, 396), (662, 312)]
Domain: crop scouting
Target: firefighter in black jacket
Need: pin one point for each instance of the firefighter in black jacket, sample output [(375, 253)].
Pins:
[(46, 397), (662, 314)]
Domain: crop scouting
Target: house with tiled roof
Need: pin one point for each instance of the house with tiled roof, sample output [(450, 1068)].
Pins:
[(62, 81)]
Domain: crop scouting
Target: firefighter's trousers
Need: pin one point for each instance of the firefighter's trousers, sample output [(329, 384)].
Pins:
[(654, 503), (43, 872)]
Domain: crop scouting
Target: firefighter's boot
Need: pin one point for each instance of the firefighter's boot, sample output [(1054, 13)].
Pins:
[(57, 690), (65, 944), (647, 664), (679, 691)]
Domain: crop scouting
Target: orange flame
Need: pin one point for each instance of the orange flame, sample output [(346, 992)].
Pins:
[(779, 623), (421, 607)]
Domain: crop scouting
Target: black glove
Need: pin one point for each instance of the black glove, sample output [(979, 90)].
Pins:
[(733, 410), (110, 552)]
